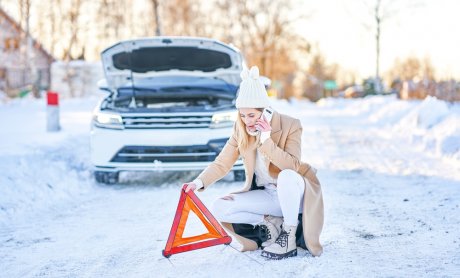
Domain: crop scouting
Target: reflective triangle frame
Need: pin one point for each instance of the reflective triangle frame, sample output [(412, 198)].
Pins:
[(177, 243)]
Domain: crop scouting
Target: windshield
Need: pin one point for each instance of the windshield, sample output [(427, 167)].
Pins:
[(147, 59)]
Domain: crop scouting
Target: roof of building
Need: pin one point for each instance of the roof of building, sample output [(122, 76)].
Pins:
[(18, 27)]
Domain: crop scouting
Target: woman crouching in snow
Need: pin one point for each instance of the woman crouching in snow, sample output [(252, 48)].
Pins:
[(270, 150)]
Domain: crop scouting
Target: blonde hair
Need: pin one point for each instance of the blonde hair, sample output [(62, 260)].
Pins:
[(242, 134)]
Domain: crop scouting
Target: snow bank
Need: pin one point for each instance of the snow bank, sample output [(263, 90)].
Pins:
[(391, 112), (357, 110), (432, 125), (42, 170), (43, 180), (3, 97), (426, 114)]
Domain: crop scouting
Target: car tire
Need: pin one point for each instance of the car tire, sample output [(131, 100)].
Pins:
[(106, 177), (239, 175)]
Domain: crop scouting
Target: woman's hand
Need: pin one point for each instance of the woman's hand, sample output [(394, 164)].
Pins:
[(190, 186), (263, 125)]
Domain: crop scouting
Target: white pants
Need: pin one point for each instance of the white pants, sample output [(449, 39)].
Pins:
[(284, 200)]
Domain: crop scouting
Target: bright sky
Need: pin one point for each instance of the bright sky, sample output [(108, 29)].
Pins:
[(432, 29), (428, 30)]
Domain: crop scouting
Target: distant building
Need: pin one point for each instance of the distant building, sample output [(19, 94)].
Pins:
[(15, 73)]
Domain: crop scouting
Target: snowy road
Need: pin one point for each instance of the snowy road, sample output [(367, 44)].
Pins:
[(391, 203)]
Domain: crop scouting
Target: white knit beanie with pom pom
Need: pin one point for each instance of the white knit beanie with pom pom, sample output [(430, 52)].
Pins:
[(252, 93)]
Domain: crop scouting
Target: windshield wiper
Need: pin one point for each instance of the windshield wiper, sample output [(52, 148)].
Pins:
[(191, 88), (129, 90)]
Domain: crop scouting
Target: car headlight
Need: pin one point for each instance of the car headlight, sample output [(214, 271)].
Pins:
[(108, 120), (224, 119)]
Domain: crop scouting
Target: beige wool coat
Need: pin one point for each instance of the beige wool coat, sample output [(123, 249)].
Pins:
[(283, 150)]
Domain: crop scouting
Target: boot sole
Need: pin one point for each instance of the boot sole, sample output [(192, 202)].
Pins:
[(273, 256)]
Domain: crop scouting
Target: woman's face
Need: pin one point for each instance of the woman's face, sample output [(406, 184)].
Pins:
[(249, 117)]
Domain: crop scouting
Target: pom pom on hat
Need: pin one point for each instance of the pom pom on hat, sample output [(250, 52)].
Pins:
[(252, 93), (252, 73)]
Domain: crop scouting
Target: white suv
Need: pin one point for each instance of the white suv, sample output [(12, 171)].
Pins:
[(170, 106)]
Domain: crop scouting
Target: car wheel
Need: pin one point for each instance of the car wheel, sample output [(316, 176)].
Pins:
[(239, 175), (106, 177)]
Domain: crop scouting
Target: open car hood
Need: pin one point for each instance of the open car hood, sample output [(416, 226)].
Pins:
[(128, 62)]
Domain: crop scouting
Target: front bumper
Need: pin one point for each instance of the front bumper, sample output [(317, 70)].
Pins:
[(160, 167), (156, 149)]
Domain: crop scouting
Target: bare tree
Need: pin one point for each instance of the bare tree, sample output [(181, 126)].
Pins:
[(412, 67), (27, 52), (156, 14), (53, 16), (72, 19), (112, 18), (378, 13), (317, 72), (264, 30), (378, 20), (186, 18)]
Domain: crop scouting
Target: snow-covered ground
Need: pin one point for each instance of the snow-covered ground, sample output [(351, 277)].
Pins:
[(390, 172)]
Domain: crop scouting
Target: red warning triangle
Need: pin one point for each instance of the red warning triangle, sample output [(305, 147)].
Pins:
[(177, 243)]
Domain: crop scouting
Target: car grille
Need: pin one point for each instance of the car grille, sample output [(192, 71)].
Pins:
[(146, 154), (160, 121)]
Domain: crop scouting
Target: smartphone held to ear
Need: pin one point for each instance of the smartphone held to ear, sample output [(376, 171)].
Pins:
[(268, 114)]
